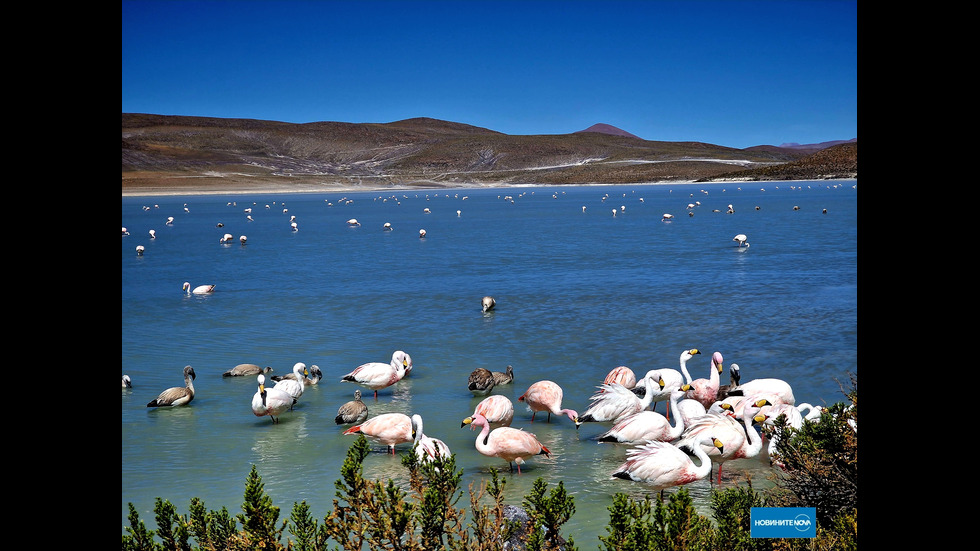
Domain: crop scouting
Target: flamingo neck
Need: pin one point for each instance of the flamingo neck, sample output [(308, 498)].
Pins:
[(687, 375), (570, 413), (678, 418), (648, 397), (714, 376), (755, 441), (704, 469), (482, 439)]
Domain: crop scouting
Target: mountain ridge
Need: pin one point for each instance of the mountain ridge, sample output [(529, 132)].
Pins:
[(185, 151)]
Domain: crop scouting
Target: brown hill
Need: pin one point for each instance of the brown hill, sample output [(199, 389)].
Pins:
[(190, 153), (835, 162)]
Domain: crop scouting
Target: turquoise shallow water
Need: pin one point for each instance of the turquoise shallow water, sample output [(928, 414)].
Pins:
[(578, 293)]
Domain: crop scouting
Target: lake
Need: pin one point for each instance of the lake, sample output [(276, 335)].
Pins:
[(580, 290)]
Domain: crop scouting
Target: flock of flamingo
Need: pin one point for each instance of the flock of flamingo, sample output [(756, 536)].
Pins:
[(712, 423), (705, 424)]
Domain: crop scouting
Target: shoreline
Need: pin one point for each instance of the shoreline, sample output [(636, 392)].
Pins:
[(241, 188)]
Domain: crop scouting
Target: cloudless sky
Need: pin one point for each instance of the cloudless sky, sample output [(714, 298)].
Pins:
[(736, 73)]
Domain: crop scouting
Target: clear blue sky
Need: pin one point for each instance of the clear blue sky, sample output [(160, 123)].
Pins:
[(736, 73)]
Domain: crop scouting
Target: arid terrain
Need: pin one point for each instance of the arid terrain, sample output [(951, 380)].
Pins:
[(178, 154)]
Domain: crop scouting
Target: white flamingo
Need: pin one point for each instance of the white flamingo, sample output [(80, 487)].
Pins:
[(614, 402), (726, 428), (646, 426), (377, 375), (662, 465), (426, 447), (673, 379), (296, 385), (199, 290), (270, 402), (779, 387)]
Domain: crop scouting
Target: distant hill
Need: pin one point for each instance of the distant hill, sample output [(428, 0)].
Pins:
[(179, 152), (821, 145), (609, 129)]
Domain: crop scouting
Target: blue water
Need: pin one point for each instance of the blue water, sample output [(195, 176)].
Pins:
[(578, 293)]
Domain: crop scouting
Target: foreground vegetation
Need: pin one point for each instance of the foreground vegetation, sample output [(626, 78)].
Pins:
[(820, 470)]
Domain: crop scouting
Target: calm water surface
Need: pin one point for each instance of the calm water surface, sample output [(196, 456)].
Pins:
[(578, 293)]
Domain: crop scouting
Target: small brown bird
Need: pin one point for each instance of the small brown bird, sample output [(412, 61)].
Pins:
[(245, 370), (177, 396), (500, 378), (481, 382), (352, 412)]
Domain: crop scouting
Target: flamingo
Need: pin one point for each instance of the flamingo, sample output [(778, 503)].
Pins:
[(489, 303), (139, 250), (706, 390), (246, 370), (226, 238), (389, 429), (729, 431), (673, 379), (689, 409), (741, 240), (427, 448), (546, 396), (199, 290), (662, 465), (352, 412), (779, 387), (503, 378), (614, 402), (510, 444), (795, 416), (310, 379), (480, 382), (177, 396), (270, 401), (127, 382), (297, 385), (621, 375), (377, 375), (734, 376), (497, 409), (646, 426)]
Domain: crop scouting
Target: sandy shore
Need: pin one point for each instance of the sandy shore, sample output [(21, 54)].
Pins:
[(265, 188)]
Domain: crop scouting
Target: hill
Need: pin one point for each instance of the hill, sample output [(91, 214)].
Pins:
[(186, 153)]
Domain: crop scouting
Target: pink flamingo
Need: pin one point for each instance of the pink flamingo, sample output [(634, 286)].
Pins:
[(546, 396)]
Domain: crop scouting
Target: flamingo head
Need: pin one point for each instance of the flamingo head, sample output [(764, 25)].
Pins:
[(717, 360)]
